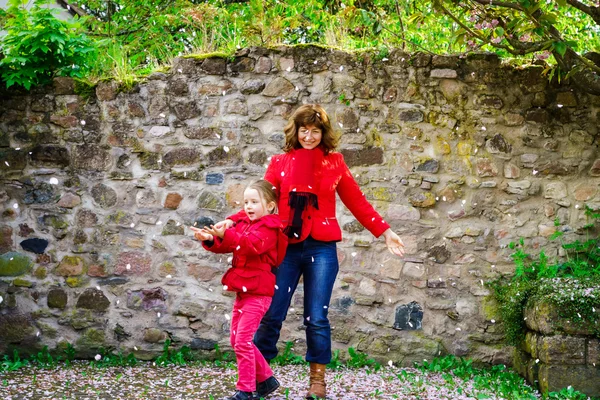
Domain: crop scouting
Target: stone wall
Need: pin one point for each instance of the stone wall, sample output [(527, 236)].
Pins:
[(557, 353), (460, 155)]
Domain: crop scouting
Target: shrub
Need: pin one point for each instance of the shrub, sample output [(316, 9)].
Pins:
[(38, 47), (571, 284)]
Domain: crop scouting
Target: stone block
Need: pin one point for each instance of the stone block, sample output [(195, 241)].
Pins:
[(408, 317), (173, 200), (562, 350), (366, 156), (14, 264), (553, 378), (133, 263), (93, 299)]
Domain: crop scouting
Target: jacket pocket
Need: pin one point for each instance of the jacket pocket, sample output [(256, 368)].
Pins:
[(247, 280)]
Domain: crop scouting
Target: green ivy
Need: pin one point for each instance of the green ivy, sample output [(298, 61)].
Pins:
[(38, 47)]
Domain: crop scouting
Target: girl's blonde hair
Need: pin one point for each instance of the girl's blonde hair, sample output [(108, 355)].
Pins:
[(266, 191), (310, 114)]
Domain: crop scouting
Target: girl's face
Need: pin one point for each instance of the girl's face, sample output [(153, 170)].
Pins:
[(309, 136), (254, 206)]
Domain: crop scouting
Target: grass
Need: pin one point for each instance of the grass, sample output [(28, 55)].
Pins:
[(443, 376)]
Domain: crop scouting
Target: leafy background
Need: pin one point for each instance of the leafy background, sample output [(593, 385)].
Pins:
[(139, 36)]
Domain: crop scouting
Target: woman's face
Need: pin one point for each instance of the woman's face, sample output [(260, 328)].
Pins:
[(309, 136)]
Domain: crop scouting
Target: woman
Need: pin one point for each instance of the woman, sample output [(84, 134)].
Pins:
[(306, 178)]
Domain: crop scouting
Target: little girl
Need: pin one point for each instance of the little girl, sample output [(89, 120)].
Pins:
[(257, 243)]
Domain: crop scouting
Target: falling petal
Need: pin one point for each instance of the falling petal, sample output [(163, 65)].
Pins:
[(244, 289), (168, 276), (226, 149), (128, 266), (225, 287), (82, 122), (53, 181), (15, 205), (98, 357)]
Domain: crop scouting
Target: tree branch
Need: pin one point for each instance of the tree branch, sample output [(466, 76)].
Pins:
[(502, 4), (72, 8), (593, 12)]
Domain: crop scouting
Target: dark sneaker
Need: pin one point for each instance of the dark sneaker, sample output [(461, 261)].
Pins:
[(267, 387), (240, 395)]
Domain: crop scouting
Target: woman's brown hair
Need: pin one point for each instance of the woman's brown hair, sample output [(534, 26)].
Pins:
[(310, 114), (266, 191)]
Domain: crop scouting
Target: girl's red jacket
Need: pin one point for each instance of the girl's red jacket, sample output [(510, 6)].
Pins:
[(322, 224), (256, 246)]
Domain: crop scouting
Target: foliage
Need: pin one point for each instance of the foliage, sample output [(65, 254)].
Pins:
[(109, 359), (563, 29), (361, 360), (138, 36), (223, 359), (572, 284), (13, 364), (504, 383), (38, 47), (44, 359), (287, 356), (168, 357)]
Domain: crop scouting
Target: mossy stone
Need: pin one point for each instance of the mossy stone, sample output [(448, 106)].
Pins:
[(57, 298), (489, 307), (20, 282), (14, 264), (76, 281), (47, 330), (93, 299), (91, 339), (70, 266), (41, 273), (14, 328)]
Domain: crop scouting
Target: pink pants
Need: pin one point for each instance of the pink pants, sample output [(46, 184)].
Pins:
[(247, 312)]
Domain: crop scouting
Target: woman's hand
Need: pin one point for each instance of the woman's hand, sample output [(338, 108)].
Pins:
[(393, 242), (215, 230), (227, 223), (202, 234)]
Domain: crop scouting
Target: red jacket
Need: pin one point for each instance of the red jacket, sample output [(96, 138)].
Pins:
[(257, 246), (322, 224)]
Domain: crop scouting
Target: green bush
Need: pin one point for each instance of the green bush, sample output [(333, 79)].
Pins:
[(38, 47), (571, 284)]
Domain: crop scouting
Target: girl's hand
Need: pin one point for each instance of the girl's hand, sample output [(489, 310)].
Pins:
[(215, 230), (393, 242), (202, 234), (227, 223)]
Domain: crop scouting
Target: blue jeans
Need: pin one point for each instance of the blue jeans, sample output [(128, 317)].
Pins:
[(318, 262)]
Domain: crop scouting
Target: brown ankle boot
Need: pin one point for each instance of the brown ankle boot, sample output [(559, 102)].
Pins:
[(317, 382)]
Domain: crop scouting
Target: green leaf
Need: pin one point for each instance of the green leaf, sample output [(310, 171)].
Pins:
[(560, 48)]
